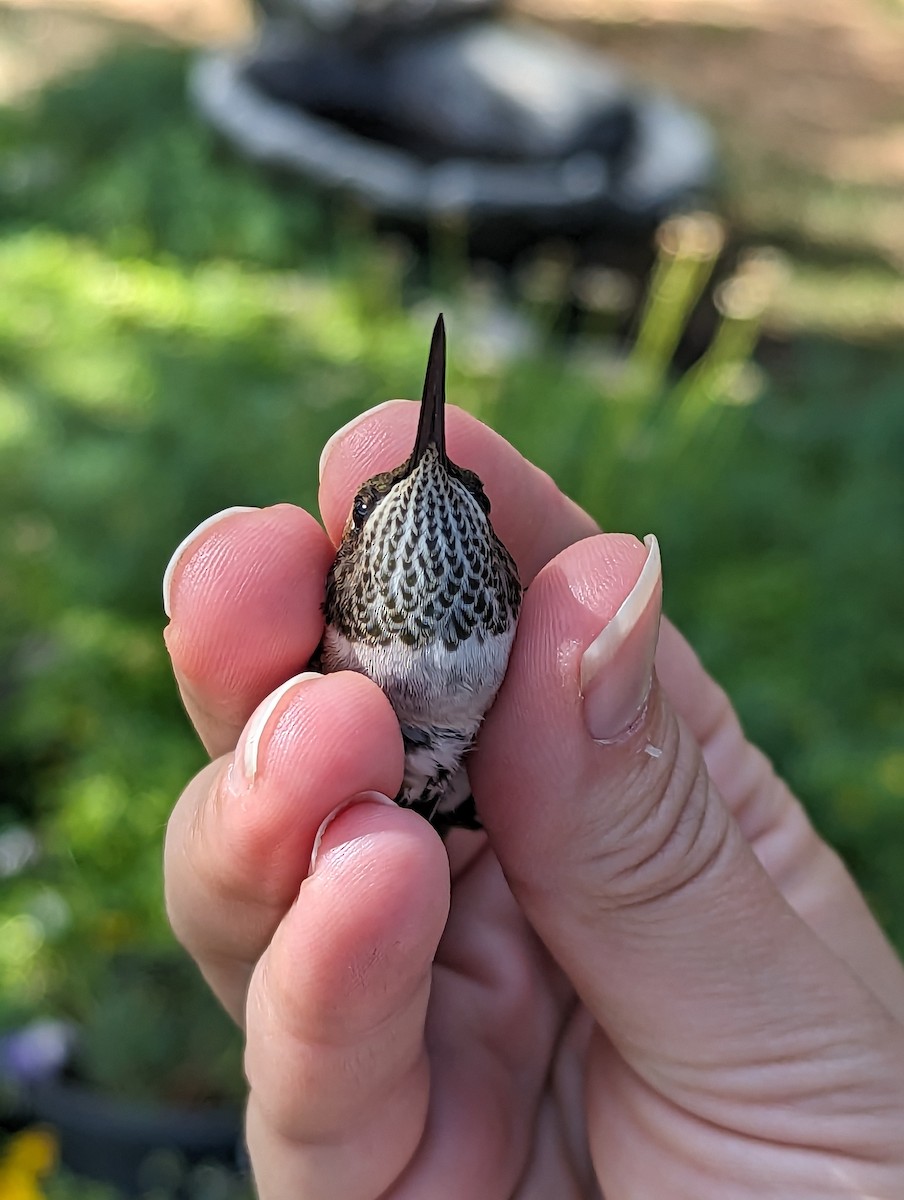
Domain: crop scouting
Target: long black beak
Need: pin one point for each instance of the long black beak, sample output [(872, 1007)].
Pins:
[(431, 428)]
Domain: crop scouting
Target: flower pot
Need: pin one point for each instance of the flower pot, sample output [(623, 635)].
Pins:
[(110, 1139)]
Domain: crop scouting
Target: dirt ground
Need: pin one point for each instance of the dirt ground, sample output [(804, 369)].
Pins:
[(819, 84), (807, 99)]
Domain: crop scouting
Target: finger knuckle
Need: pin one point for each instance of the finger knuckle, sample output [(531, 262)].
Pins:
[(673, 831)]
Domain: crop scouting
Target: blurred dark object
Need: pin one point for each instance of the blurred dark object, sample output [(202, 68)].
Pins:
[(484, 91), (149, 1069), (423, 114), (117, 1142), (373, 19)]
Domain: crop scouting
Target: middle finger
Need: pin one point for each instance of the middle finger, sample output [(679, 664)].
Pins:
[(239, 842)]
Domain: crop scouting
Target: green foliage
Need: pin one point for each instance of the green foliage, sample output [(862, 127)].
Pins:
[(151, 1031), (168, 1179), (114, 155), (179, 334), (67, 1187)]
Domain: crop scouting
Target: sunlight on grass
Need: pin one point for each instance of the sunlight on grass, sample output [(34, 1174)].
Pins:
[(860, 302)]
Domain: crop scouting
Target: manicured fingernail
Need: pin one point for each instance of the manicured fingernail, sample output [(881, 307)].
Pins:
[(247, 753), (617, 668), (361, 798), (187, 541), (346, 429)]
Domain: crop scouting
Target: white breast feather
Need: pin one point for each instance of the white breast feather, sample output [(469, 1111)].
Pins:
[(429, 685)]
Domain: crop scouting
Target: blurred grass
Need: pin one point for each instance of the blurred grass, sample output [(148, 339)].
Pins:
[(179, 334), (844, 246)]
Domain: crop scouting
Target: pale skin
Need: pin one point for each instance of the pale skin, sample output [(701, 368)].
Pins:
[(649, 977)]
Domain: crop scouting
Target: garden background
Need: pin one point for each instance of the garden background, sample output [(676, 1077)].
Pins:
[(180, 332)]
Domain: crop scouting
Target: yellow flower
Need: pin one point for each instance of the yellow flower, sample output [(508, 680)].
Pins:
[(19, 1185), (27, 1157)]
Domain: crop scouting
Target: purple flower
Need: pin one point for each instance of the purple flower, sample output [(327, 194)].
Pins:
[(37, 1052)]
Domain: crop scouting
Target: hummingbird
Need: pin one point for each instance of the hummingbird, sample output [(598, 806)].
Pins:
[(424, 598)]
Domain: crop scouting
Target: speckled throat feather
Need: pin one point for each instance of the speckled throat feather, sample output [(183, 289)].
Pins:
[(426, 567)]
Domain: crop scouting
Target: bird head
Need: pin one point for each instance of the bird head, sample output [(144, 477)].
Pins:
[(419, 561)]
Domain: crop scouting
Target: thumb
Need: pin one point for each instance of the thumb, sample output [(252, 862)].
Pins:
[(638, 879)]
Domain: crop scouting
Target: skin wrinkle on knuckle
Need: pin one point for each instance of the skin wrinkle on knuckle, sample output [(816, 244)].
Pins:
[(355, 1069), (785, 841), (722, 740), (760, 802), (238, 937), (350, 1014), (719, 717), (670, 837), (221, 874), (346, 1075), (680, 849), (757, 797), (520, 1025), (255, 830), (681, 1128), (228, 972), (824, 1071), (251, 844), (208, 719), (772, 819), (300, 1129)]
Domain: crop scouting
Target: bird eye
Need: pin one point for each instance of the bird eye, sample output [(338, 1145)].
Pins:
[(361, 509)]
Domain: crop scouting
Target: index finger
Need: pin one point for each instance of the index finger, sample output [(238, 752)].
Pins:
[(244, 593)]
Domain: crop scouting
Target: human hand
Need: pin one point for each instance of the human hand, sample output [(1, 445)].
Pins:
[(653, 977)]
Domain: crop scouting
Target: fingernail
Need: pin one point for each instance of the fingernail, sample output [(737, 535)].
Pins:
[(247, 752), (617, 668), (361, 798), (187, 541), (346, 429)]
